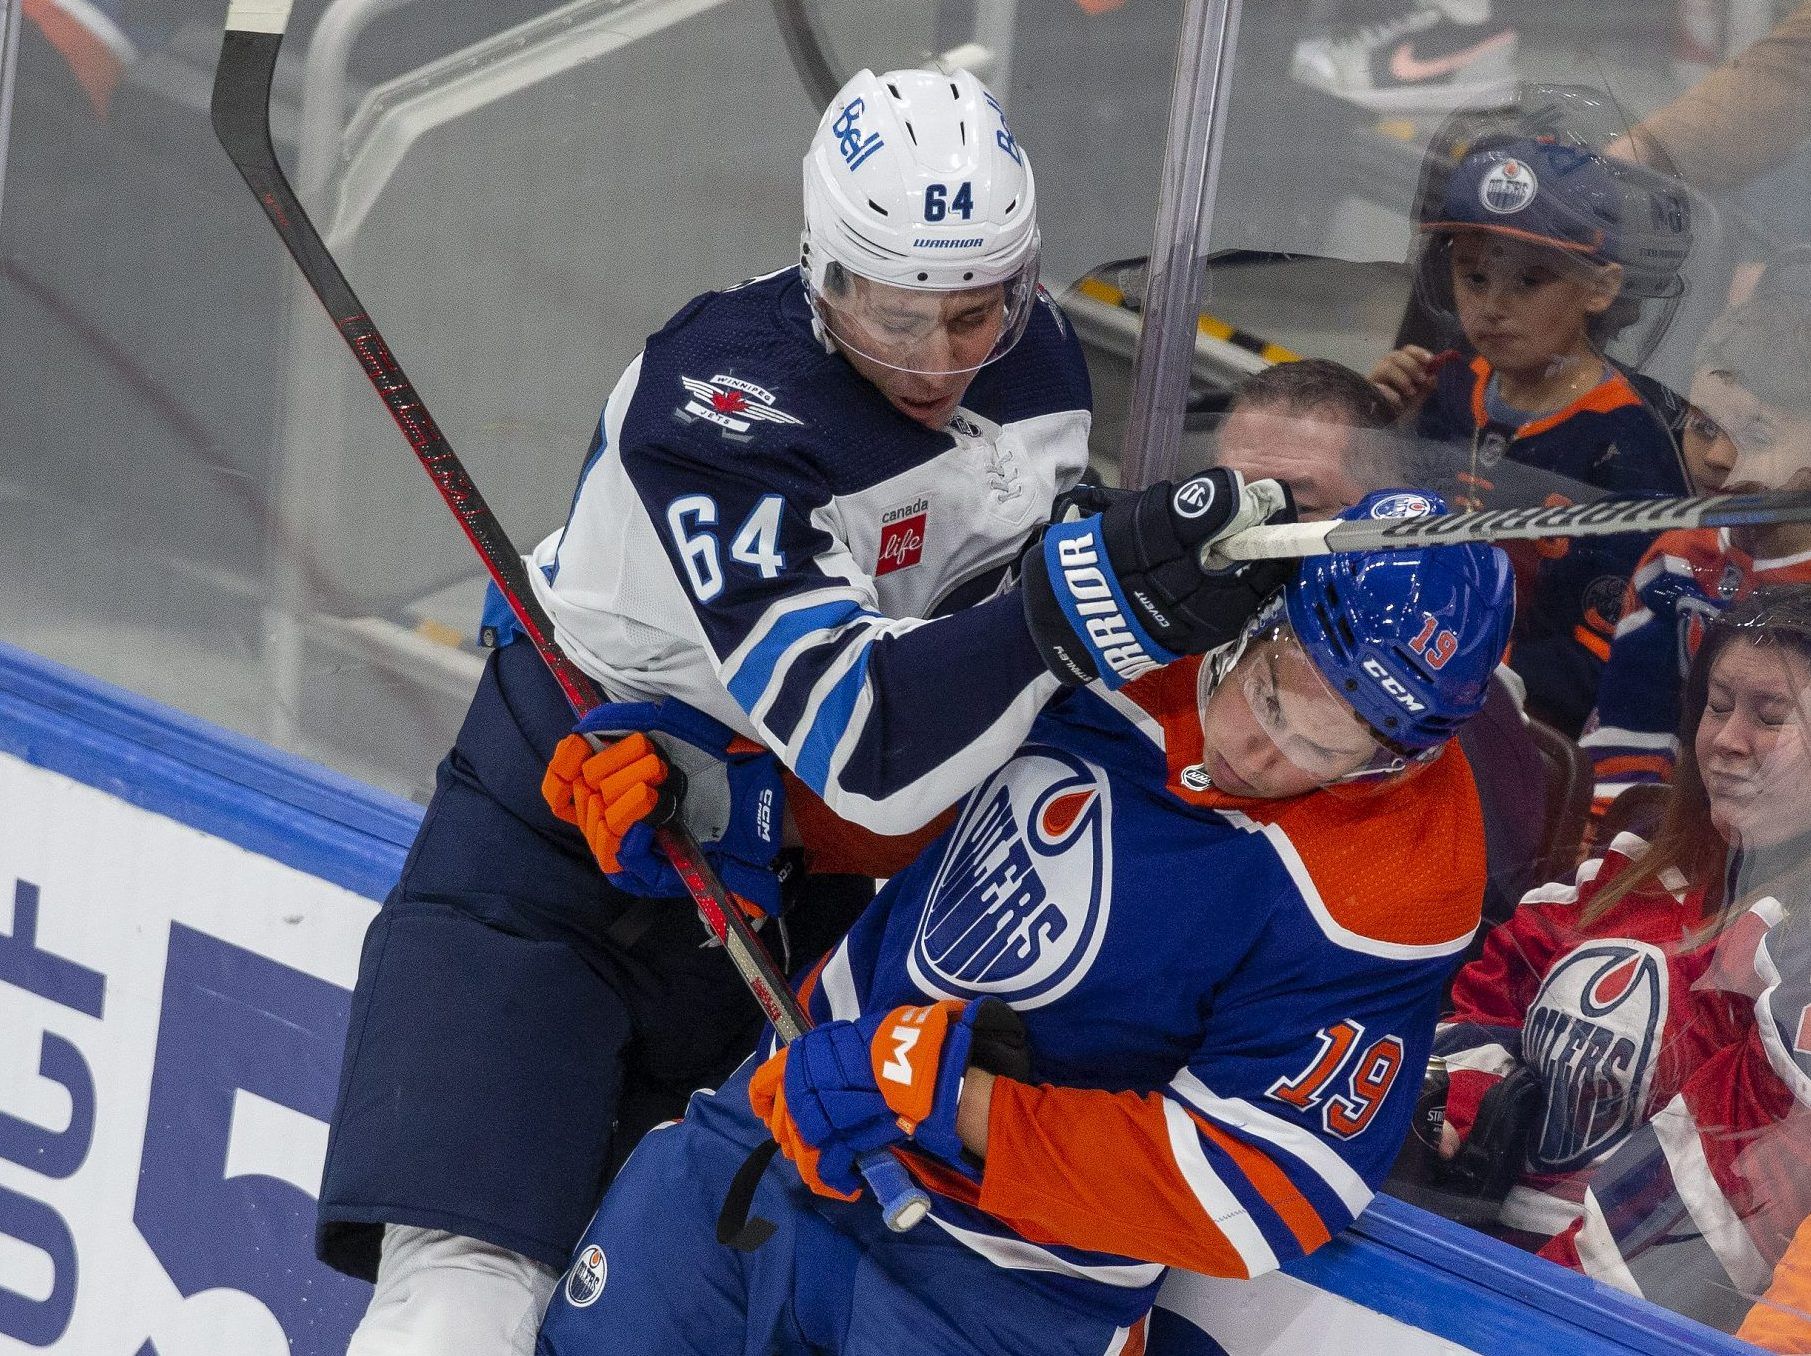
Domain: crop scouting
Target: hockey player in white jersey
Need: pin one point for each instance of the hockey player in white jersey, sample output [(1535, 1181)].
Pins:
[(798, 512)]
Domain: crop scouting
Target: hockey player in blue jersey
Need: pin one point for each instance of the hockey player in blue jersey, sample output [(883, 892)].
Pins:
[(1222, 901), (797, 512)]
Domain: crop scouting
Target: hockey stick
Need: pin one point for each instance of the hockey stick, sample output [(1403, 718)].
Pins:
[(241, 117), (1601, 519)]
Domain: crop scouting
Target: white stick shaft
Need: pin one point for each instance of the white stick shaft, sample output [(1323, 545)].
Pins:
[(1602, 519), (257, 16)]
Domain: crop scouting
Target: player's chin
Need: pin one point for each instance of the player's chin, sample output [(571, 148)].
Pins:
[(933, 413)]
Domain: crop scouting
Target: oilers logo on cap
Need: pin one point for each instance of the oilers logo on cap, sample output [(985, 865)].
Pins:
[(1508, 187), (1019, 904)]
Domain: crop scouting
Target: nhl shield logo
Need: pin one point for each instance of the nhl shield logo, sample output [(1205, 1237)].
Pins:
[(1593, 1035), (585, 1279), (1020, 901)]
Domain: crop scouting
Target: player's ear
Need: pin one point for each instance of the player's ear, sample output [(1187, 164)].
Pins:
[(1606, 286)]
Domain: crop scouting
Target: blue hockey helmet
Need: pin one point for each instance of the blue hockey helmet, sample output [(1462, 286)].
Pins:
[(1408, 638)]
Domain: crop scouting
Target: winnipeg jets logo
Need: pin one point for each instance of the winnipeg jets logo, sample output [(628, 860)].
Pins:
[(1019, 905), (732, 404), (1593, 1034)]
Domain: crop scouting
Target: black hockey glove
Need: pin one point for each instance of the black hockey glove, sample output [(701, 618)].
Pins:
[(1493, 1154), (1122, 590)]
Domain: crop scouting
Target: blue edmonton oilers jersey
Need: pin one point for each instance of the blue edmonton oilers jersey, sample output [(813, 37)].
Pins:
[(1229, 1015), (758, 532)]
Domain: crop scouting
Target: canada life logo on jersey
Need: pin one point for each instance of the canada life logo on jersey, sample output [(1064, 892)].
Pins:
[(733, 405), (1020, 901), (902, 536), (1593, 1034)]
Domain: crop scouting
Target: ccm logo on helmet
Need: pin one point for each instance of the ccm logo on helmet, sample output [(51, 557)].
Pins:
[(1095, 604), (1406, 699)]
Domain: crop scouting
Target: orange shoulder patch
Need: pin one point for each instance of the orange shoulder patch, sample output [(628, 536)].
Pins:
[(1403, 866)]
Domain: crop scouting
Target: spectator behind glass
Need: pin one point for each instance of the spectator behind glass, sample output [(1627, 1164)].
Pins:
[(1323, 429), (1695, 1208), (1749, 429), (1523, 248), (1315, 425), (1585, 998), (1747, 126)]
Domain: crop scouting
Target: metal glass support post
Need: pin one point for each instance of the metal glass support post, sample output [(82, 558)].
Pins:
[(312, 391), (1191, 169), (12, 15)]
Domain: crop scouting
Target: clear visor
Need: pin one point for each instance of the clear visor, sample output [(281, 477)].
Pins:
[(1483, 262), (1306, 721), (925, 332)]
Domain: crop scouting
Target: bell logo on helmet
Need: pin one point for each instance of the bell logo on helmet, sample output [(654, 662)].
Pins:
[(849, 137), (1003, 134), (1508, 188)]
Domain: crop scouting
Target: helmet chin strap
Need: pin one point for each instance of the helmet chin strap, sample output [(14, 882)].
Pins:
[(1215, 665), (819, 330)]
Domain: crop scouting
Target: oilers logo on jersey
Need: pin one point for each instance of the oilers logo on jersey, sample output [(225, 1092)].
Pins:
[(1593, 1035), (1020, 901), (585, 1279)]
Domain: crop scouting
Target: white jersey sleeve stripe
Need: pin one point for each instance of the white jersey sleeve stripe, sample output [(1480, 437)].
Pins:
[(1256, 1123), (1216, 1198), (837, 984), (1711, 1210), (760, 662)]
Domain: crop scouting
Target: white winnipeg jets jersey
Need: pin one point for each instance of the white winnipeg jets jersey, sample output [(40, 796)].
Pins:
[(759, 533)]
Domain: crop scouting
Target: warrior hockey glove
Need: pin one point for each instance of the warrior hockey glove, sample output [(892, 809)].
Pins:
[(728, 794), (1121, 591), (845, 1088)]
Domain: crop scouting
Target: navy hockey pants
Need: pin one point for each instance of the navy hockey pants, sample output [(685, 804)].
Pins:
[(650, 1277), (518, 1023)]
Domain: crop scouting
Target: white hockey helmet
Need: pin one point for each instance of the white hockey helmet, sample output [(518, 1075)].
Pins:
[(915, 184)]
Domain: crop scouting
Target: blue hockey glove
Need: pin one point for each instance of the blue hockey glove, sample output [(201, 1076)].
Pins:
[(844, 1089), (727, 791), (1117, 592)]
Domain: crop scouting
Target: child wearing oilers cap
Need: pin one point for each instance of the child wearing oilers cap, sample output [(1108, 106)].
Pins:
[(1539, 248)]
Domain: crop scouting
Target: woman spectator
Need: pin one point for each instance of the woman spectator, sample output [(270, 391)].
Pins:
[(1597, 1003)]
